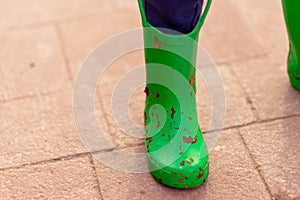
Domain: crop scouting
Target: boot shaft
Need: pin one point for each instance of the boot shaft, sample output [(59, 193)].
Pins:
[(291, 10)]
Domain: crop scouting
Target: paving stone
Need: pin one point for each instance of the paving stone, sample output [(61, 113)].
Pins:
[(19, 12), (37, 129), (232, 176), (125, 122), (31, 63), (267, 83), (227, 36), (238, 111), (83, 35), (120, 131), (68, 179), (237, 29), (275, 148), (266, 20)]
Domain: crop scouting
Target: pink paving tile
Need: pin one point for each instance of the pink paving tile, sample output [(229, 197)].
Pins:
[(267, 83), (22, 12), (37, 129), (31, 63), (64, 179), (275, 148), (83, 35), (238, 29)]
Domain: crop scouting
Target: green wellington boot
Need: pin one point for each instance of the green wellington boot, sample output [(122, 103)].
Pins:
[(176, 151), (292, 18)]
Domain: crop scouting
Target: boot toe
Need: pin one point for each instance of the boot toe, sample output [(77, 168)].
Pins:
[(188, 171)]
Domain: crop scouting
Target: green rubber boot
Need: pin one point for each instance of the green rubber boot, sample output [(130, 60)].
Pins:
[(176, 151), (292, 18)]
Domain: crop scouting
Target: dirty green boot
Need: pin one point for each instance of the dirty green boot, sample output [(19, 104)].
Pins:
[(292, 18), (176, 151)]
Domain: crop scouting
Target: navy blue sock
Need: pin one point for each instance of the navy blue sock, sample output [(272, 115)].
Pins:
[(178, 15)]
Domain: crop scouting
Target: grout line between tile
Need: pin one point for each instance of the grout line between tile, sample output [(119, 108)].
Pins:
[(96, 179), (105, 117), (67, 157), (63, 158), (253, 123), (63, 50), (4, 101), (247, 96), (45, 23), (256, 166), (243, 59), (33, 96)]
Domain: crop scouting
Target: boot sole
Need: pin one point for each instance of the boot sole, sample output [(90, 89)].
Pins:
[(177, 179)]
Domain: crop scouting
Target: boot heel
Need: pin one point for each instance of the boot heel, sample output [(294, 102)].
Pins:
[(295, 81)]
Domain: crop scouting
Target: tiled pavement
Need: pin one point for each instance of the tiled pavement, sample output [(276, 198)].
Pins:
[(43, 44)]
